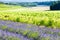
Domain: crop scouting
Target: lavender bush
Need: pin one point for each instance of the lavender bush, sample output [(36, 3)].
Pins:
[(28, 31)]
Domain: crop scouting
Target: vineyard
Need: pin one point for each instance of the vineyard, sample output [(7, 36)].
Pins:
[(20, 23)]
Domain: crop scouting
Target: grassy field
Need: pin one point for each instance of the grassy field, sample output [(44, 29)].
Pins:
[(8, 7), (49, 19)]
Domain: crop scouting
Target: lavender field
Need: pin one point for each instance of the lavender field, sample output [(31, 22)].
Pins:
[(20, 31), (20, 23)]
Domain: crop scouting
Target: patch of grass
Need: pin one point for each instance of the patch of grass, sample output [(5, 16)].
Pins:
[(12, 38), (24, 15), (3, 27), (34, 35)]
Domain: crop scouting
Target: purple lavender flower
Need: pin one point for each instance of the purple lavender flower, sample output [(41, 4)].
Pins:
[(12, 36)]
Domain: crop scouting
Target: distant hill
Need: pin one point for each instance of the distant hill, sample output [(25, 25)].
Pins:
[(47, 3)]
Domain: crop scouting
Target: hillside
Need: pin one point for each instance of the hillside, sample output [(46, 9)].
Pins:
[(29, 4)]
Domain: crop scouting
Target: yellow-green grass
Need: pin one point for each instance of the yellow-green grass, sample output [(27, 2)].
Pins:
[(7, 7), (45, 18)]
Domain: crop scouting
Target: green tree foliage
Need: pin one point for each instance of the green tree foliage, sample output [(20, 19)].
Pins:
[(1, 3), (55, 5)]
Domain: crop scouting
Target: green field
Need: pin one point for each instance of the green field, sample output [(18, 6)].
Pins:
[(8, 7), (49, 19)]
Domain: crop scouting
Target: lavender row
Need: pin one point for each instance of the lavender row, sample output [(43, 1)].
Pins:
[(30, 31), (5, 35), (26, 33), (25, 30)]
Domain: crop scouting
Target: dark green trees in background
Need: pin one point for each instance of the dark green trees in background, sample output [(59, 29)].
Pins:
[(1, 3), (55, 5)]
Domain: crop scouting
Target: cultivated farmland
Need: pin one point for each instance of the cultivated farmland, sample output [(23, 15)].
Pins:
[(20, 23)]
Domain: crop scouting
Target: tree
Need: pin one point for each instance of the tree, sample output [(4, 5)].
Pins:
[(1, 3), (55, 5)]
